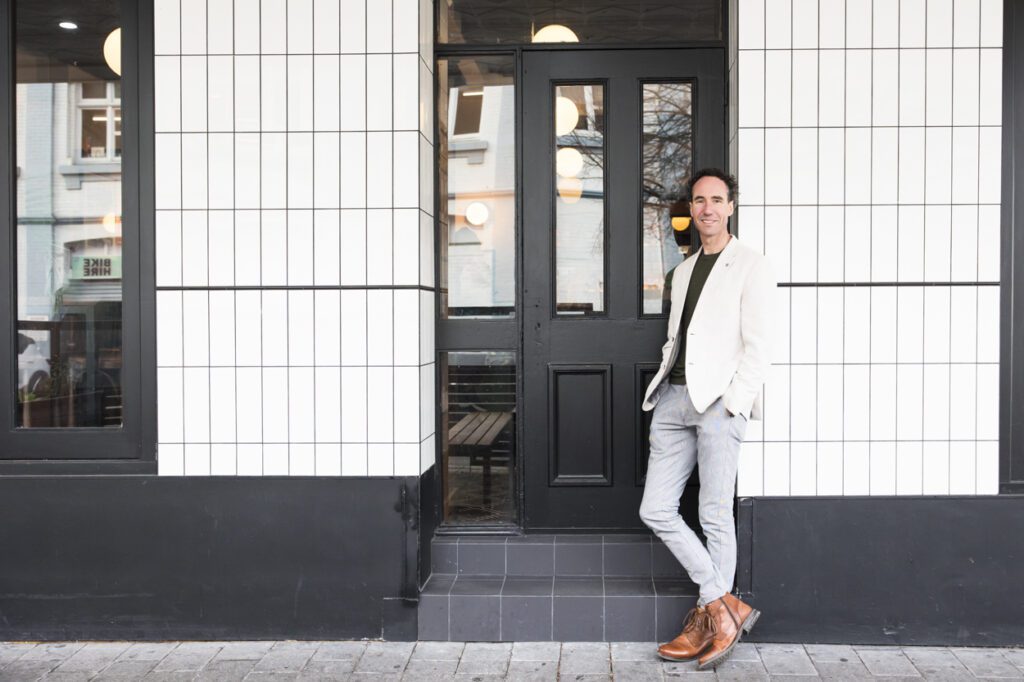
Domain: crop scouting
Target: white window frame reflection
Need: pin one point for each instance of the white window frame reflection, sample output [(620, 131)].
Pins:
[(111, 104)]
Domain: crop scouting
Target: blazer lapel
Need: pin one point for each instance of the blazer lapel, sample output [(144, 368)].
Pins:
[(718, 270)]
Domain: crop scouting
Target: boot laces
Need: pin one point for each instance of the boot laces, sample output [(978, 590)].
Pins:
[(700, 617)]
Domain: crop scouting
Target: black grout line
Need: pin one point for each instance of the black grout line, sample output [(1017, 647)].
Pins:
[(366, 245), (287, 240), (876, 205), (977, 273), (234, 230), (341, 335), (924, 228), (209, 379), (899, 130), (312, 174), (263, 433), (391, 95), (181, 238)]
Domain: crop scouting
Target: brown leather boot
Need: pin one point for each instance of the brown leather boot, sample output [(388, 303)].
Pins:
[(745, 614), (697, 634), (728, 628)]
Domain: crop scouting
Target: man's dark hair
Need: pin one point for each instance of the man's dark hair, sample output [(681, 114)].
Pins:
[(729, 180)]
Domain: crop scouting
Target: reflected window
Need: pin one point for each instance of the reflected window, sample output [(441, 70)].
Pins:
[(68, 230), (467, 111), (478, 440), (99, 117), (578, 21), (476, 182), (579, 199), (667, 165)]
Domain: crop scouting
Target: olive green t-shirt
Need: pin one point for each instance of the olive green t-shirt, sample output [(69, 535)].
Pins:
[(701, 270)]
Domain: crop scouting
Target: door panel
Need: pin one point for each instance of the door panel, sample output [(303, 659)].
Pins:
[(593, 250), (580, 394)]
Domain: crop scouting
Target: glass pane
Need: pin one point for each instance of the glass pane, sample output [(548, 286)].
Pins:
[(94, 133), (478, 443), (476, 182), (579, 199), (668, 163), (94, 90), (68, 235), (637, 21), (117, 133)]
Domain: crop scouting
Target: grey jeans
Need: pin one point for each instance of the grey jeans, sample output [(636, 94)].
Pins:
[(680, 438)]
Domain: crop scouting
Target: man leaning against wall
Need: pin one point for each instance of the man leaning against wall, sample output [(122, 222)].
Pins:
[(709, 384)]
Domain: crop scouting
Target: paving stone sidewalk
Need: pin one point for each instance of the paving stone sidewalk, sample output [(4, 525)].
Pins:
[(483, 662)]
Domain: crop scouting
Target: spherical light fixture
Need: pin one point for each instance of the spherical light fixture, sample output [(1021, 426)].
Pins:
[(112, 51), (568, 162), (566, 115), (477, 213), (570, 189), (555, 33)]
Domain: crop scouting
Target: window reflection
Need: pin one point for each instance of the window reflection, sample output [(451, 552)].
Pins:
[(476, 217), (68, 234), (579, 202), (478, 443), (667, 165), (524, 21)]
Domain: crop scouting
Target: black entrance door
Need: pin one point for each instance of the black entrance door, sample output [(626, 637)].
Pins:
[(609, 139)]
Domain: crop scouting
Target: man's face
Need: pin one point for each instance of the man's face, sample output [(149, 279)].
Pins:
[(710, 206)]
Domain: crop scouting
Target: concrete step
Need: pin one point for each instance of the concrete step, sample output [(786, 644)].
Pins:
[(553, 588), (622, 555), (475, 608)]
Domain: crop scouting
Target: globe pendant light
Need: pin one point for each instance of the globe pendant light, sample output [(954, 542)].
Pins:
[(112, 51), (555, 33)]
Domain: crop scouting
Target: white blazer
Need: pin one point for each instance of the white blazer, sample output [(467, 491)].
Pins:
[(729, 341)]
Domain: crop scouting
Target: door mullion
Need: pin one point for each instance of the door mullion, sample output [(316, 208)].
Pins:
[(622, 184)]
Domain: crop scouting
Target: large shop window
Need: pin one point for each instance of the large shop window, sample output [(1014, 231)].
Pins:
[(74, 283)]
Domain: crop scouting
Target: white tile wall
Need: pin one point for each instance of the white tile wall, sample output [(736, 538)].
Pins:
[(294, 239), (868, 150)]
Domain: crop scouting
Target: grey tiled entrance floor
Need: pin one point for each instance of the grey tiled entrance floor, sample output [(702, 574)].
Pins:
[(482, 662)]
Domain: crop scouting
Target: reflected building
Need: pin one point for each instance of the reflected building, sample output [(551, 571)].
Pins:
[(69, 246)]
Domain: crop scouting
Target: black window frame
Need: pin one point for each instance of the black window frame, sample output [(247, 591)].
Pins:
[(130, 449)]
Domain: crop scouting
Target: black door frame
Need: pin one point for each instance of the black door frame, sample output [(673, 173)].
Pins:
[(504, 334), (623, 343)]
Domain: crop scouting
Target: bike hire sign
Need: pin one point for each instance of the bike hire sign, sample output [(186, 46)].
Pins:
[(96, 267)]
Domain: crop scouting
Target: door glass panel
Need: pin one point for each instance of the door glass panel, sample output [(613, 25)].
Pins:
[(476, 181), (578, 21), (667, 165), (579, 199), (68, 229), (478, 440)]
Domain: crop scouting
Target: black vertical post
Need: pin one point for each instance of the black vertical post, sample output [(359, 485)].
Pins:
[(1011, 305)]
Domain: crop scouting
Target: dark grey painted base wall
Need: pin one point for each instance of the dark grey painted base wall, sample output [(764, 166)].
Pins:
[(204, 558), (943, 570)]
